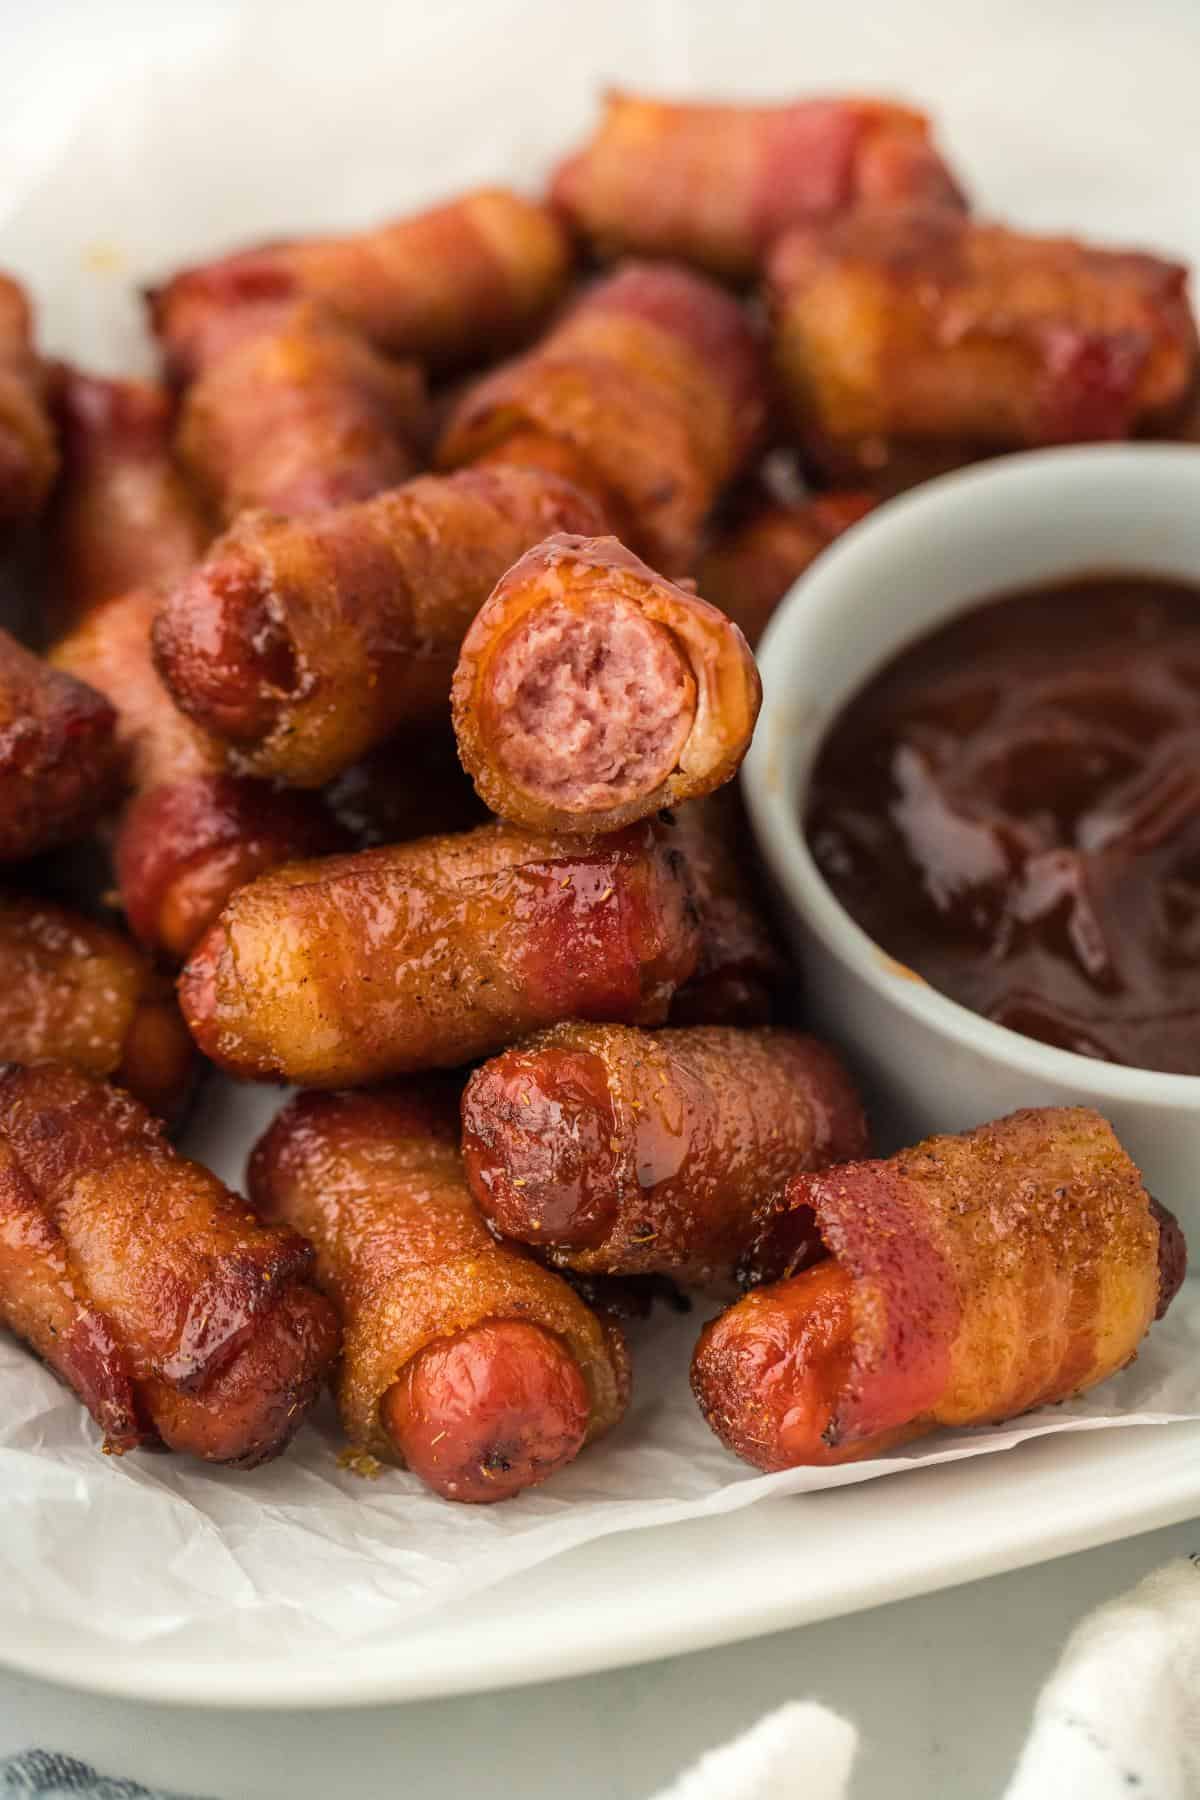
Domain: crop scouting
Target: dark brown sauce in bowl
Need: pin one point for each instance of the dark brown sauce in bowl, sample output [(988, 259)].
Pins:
[(1011, 808)]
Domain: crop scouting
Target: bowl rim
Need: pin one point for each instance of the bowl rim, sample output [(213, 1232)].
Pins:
[(771, 799)]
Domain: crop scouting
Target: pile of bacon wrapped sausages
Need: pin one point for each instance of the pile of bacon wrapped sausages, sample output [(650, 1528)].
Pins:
[(454, 499)]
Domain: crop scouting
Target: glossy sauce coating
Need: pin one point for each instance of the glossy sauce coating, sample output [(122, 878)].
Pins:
[(626, 1152), (716, 184), (655, 379), (591, 692), (973, 1278), (59, 758), (430, 954), (480, 1370), (1012, 810), (146, 1284)]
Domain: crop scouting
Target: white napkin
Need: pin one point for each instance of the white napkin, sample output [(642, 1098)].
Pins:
[(1119, 1719)]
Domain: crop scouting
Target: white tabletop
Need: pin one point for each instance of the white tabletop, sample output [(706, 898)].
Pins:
[(941, 1689)]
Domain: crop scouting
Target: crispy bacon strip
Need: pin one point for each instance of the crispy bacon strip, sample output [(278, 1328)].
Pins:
[(481, 1371), (626, 1152), (59, 759), (76, 992), (748, 569), (716, 184), (742, 976), (654, 380), (591, 692), (28, 452), (968, 1280), (930, 327), (306, 642), (456, 284), (145, 1284), (296, 412), (430, 954)]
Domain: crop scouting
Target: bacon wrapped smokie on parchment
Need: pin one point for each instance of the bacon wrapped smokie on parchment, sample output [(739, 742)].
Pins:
[(626, 1152), (430, 954), (76, 992), (28, 452), (654, 385), (927, 327), (305, 642), (481, 1371), (591, 692), (456, 284), (176, 1315), (715, 185), (968, 1280)]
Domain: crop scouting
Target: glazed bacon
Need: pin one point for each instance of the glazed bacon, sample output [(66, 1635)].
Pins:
[(591, 692), (456, 284), (59, 759), (968, 1280), (654, 382), (741, 975), (747, 570), (481, 1371), (927, 326), (28, 453), (715, 185), (175, 1315), (76, 992), (430, 954), (306, 642), (191, 832), (626, 1152), (296, 412)]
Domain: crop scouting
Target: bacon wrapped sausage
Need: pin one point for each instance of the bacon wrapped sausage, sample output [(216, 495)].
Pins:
[(75, 992), (654, 380), (929, 326), (741, 975), (591, 692), (433, 953), (176, 1316), (299, 413), (456, 284), (464, 1360), (748, 570), (625, 1152), (306, 642), (59, 759), (968, 1280), (28, 452), (123, 516), (716, 185)]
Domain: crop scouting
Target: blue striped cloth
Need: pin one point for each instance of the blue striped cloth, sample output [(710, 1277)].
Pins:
[(51, 1776)]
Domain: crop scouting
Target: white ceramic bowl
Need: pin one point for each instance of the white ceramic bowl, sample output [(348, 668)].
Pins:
[(929, 1064)]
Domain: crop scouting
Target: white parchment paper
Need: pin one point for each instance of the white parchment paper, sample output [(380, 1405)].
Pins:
[(133, 137)]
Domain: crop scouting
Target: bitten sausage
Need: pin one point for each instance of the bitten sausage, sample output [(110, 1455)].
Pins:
[(432, 953), (628, 1152), (122, 516), (59, 759), (591, 692), (929, 326), (741, 976), (28, 452), (306, 642), (298, 413), (479, 1370), (968, 1280), (176, 1316), (747, 570), (655, 381), (716, 185), (452, 285), (75, 992)]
